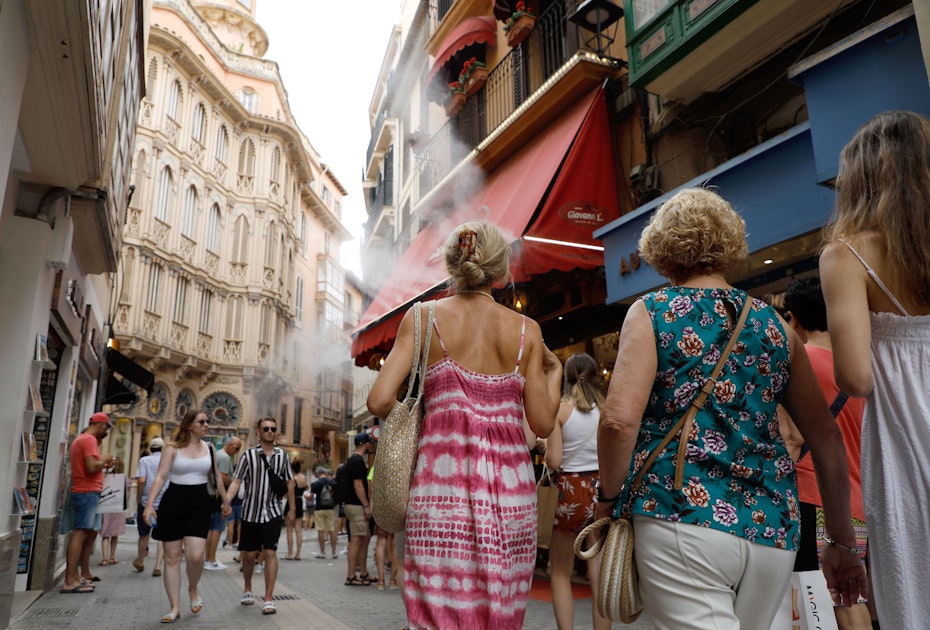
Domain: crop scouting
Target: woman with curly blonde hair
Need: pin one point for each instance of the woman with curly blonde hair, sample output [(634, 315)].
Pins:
[(715, 539), (875, 272)]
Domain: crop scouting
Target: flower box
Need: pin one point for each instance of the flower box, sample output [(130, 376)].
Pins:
[(520, 30), (476, 80), (455, 103)]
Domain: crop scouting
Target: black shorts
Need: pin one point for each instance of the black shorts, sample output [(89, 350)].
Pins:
[(258, 536), (184, 511)]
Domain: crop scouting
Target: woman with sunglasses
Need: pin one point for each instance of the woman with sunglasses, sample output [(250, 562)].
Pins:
[(185, 509)]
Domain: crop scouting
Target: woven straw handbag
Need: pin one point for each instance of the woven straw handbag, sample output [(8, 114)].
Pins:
[(399, 440), (617, 595)]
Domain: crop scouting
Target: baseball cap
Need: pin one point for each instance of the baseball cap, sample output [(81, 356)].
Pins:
[(156, 442), (362, 438), (101, 417)]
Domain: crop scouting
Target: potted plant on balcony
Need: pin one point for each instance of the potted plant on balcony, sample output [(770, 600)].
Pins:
[(473, 76), (455, 99), (520, 24)]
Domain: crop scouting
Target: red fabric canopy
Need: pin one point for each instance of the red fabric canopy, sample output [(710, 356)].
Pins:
[(472, 30), (522, 200)]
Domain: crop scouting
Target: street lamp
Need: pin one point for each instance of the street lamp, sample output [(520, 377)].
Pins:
[(597, 16)]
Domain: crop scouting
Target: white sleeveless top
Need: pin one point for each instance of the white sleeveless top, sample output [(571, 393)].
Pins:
[(189, 471), (895, 474), (575, 431)]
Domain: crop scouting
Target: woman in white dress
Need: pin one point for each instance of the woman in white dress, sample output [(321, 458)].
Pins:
[(875, 272)]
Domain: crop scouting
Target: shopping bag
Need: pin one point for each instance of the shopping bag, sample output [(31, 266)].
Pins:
[(547, 498), (807, 604), (113, 495)]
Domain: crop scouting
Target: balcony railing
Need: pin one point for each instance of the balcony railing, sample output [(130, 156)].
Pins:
[(510, 83), (374, 135)]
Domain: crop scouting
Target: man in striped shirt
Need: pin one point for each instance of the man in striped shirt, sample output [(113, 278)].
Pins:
[(266, 473)]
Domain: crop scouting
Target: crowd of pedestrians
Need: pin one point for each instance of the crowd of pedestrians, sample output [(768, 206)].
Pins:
[(745, 440)]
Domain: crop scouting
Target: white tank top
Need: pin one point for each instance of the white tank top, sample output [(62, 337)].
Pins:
[(575, 431), (189, 471)]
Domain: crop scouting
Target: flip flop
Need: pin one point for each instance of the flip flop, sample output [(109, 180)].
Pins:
[(79, 589)]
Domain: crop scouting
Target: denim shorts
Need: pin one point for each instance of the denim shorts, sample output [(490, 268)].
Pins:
[(217, 522), (84, 507)]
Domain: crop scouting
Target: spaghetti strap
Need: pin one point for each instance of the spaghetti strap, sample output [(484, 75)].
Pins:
[(877, 280), (442, 344), (522, 339)]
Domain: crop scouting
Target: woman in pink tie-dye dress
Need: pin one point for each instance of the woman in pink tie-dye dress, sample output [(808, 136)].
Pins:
[(471, 519)]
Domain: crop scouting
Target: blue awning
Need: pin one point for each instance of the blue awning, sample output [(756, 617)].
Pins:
[(772, 186)]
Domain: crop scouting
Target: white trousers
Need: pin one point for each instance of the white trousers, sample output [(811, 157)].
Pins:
[(694, 577)]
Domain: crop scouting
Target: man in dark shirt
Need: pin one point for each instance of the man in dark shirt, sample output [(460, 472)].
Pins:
[(358, 511), (324, 520)]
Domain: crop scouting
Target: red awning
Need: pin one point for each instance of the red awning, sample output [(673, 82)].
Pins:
[(471, 31), (549, 219)]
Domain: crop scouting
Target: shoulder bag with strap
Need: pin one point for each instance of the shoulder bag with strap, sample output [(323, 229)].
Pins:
[(277, 484), (399, 441), (617, 595)]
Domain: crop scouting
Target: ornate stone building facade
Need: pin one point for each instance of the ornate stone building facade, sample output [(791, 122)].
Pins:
[(232, 218)]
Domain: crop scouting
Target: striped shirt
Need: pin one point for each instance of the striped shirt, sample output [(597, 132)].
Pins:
[(260, 505)]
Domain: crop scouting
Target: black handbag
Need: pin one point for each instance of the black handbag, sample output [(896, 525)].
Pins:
[(278, 485), (216, 501)]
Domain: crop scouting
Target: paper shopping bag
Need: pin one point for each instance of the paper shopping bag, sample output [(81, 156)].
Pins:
[(113, 495), (547, 498), (807, 604)]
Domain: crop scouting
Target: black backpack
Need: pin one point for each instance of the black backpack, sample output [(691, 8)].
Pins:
[(341, 486), (326, 496)]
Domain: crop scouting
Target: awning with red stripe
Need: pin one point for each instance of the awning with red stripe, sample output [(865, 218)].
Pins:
[(547, 199), (471, 32)]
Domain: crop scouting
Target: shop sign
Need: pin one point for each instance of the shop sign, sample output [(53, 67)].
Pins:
[(630, 263), (584, 213)]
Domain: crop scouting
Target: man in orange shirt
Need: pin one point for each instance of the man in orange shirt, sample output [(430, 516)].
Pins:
[(87, 469)]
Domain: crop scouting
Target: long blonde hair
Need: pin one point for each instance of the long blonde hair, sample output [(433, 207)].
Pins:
[(581, 383), (883, 186)]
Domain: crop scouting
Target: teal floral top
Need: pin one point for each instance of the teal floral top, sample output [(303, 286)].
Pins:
[(738, 476)]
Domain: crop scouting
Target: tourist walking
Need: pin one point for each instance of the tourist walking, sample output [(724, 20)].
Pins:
[(876, 281), (471, 518), (183, 516), (716, 518), (146, 470)]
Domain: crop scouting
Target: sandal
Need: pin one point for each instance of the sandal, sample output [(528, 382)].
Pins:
[(380, 584), (355, 581), (268, 608), (247, 599), (367, 579), (103, 563), (171, 617)]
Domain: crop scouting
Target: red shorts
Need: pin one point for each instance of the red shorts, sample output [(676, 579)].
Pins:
[(576, 501)]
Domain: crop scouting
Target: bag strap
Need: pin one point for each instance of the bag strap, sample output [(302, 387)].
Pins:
[(835, 408), (548, 473), (415, 364), (422, 361), (212, 463), (683, 426)]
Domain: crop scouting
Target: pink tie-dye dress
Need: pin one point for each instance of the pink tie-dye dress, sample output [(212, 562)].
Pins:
[(471, 520)]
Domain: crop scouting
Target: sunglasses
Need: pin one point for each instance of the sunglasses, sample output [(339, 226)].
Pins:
[(269, 429), (201, 422)]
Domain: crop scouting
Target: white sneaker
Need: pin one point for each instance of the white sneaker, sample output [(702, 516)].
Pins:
[(214, 566), (260, 568)]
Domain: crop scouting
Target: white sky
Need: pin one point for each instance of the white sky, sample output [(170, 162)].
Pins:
[(329, 54)]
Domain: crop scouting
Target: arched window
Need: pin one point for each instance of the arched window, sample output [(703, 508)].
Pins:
[(271, 241), (240, 244), (249, 99), (173, 108), (163, 194), (222, 143), (150, 78), (206, 312), (180, 300), (247, 158), (213, 228), (299, 299), (190, 212), (199, 126), (234, 315), (154, 280), (276, 164)]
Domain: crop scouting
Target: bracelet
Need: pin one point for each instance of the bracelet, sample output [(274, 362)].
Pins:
[(833, 543), (602, 499)]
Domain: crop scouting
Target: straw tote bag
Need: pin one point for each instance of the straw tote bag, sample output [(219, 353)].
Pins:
[(396, 456), (617, 595)]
